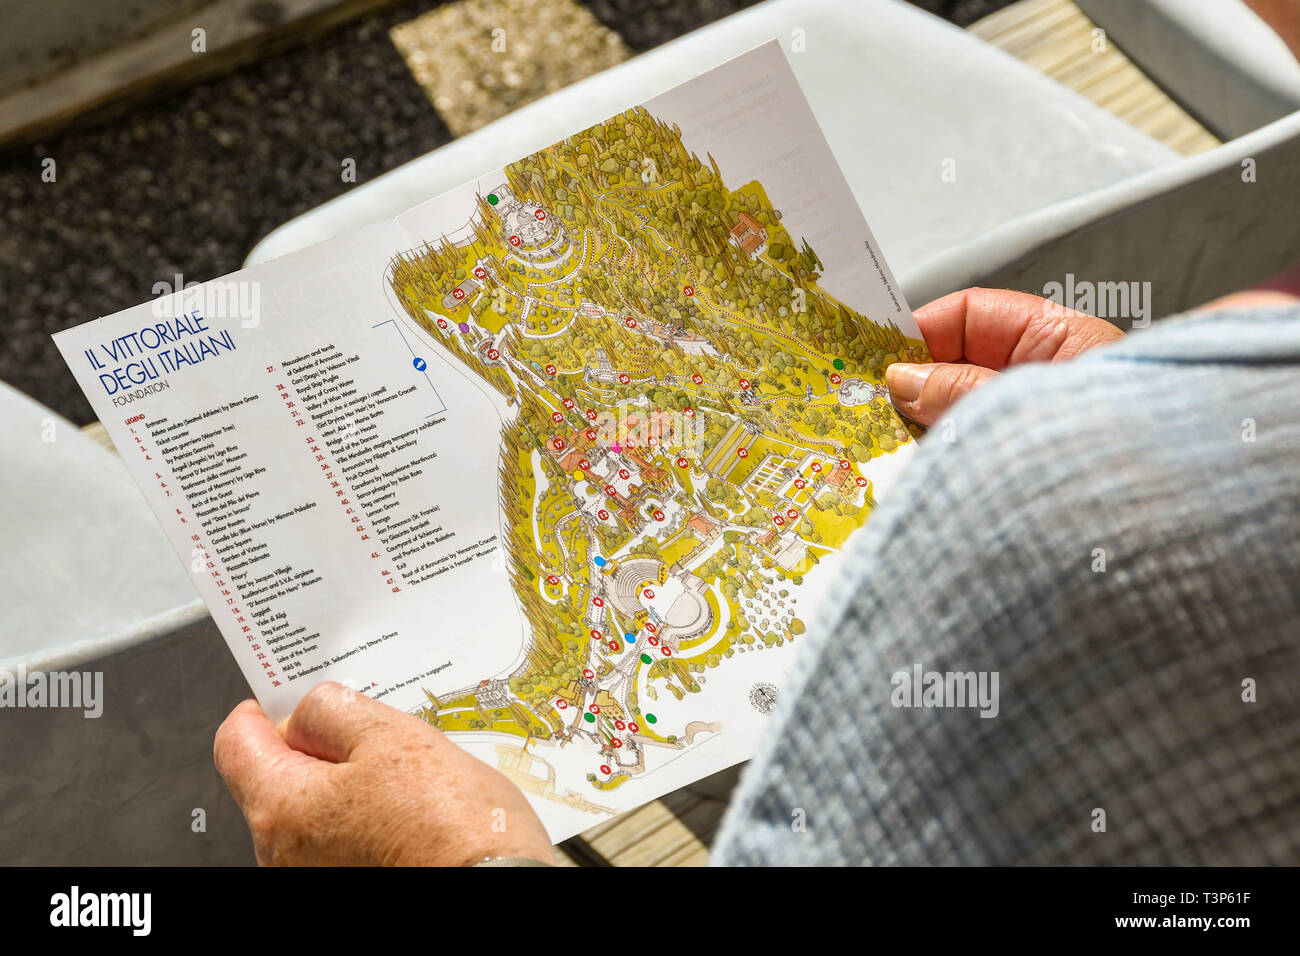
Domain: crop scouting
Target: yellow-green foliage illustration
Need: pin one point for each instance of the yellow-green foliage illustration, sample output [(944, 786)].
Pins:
[(694, 414)]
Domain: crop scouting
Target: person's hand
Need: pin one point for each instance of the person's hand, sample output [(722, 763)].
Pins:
[(974, 333), (1283, 16), (354, 782)]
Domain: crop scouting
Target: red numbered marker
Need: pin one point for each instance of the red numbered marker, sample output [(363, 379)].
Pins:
[(493, 354), (844, 463), (558, 443), (630, 322), (602, 514), (599, 602), (688, 412), (682, 463), (659, 515), (689, 290), (799, 482), (552, 579), (633, 727), (611, 490), (562, 704), (613, 646), (778, 520), (624, 474), (652, 641), (594, 708), (458, 293), (862, 482), (624, 379), (666, 651), (556, 417), (619, 725), (616, 742), (442, 323), (651, 628), (550, 370), (539, 215), (588, 673), (591, 414), (835, 380), (744, 383), (515, 240), (584, 464), (697, 379), (742, 452), (568, 403), (597, 634), (649, 593), (817, 466), (591, 434), (480, 273), (791, 513), (605, 770)]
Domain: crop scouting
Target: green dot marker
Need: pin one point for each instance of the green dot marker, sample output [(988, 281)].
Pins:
[(493, 198), (646, 659), (839, 364), (651, 719), (589, 718)]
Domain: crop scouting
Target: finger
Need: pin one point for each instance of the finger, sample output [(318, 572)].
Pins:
[(997, 327), (250, 754), (925, 392), (332, 722)]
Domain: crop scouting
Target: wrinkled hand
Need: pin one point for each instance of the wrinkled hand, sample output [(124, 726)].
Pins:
[(975, 333), (354, 782)]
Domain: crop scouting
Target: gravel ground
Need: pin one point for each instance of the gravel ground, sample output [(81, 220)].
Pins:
[(189, 182)]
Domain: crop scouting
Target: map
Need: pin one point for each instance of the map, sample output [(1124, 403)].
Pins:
[(693, 422), (563, 461)]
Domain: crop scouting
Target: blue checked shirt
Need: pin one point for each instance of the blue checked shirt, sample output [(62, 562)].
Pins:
[(1172, 461)]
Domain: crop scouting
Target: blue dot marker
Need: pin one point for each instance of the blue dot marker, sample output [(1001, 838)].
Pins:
[(629, 636), (600, 562), (420, 364)]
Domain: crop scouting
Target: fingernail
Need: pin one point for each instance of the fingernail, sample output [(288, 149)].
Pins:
[(905, 380)]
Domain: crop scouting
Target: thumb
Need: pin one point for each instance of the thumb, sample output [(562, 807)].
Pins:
[(332, 722), (924, 393)]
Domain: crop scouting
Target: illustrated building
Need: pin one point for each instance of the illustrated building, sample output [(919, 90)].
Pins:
[(608, 705), (494, 694), (575, 449), (841, 479), (706, 528), (749, 235), (651, 475), (604, 371), (451, 301), (792, 555)]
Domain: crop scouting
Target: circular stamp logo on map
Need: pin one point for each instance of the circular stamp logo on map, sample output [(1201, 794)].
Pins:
[(763, 697)]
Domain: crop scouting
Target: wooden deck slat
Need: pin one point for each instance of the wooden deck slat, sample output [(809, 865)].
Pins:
[(1027, 27), (638, 825), (1056, 38), (996, 26)]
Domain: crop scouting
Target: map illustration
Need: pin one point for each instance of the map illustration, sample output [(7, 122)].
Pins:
[(693, 419)]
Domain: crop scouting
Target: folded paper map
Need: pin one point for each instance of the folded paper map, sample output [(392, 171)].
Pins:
[(561, 461)]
